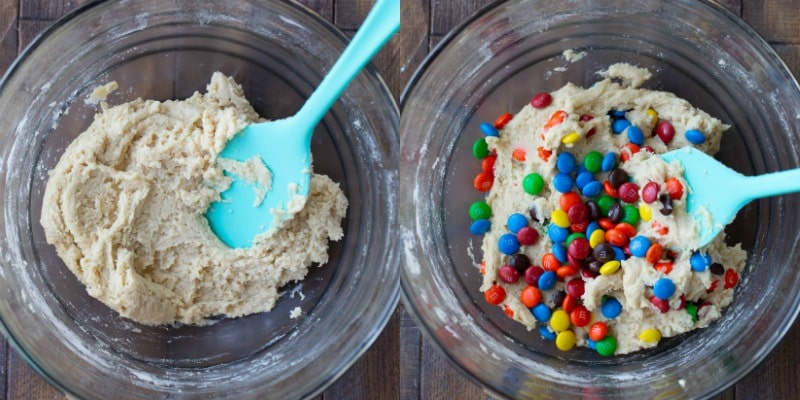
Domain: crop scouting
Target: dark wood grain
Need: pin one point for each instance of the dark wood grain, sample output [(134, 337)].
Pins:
[(440, 380), (3, 367), (29, 29), (348, 15), (9, 10), (349, 19), (23, 383), (376, 374), (402, 363), (778, 377), (415, 37), (47, 9), (778, 21), (410, 356), (445, 14), (790, 53), (389, 68), (735, 6), (322, 7)]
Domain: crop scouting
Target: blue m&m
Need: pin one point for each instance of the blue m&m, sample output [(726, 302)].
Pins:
[(508, 244), (664, 288), (700, 261), (547, 280), (635, 135), (557, 234), (618, 126), (489, 129), (609, 161), (611, 308), (563, 182), (560, 251), (695, 136), (584, 178), (566, 162), (617, 113), (592, 189), (541, 312), (480, 227), (547, 333), (516, 222), (639, 246)]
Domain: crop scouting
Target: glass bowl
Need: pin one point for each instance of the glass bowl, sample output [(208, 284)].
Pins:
[(160, 50), (494, 63)]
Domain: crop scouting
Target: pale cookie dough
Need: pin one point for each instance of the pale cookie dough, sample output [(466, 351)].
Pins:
[(573, 56), (125, 208), (252, 171), (100, 93), (709, 290)]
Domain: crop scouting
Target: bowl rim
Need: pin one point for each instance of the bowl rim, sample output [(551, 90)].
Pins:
[(393, 299), (406, 290)]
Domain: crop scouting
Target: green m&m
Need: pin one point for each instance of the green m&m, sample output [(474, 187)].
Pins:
[(480, 210), (533, 183)]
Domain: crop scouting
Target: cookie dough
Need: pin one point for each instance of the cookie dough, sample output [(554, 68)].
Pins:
[(252, 171), (125, 208), (578, 121)]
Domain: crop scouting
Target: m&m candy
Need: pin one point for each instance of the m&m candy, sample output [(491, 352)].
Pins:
[(597, 218), (664, 288), (700, 261), (548, 280), (639, 245), (480, 149), (533, 183), (566, 162), (541, 312), (635, 135), (563, 182), (618, 126), (516, 222), (606, 346), (480, 227), (480, 210), (611, 308), (508, 244), (547, 333), (695, 136), (489, 129)]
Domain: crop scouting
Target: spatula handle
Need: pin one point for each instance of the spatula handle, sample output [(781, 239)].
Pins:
[(382, 22), (773, 184)]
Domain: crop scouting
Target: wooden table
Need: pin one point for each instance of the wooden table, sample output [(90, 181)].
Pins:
[(402, 363)]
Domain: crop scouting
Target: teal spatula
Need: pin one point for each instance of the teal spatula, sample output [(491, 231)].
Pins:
[(718, 192), (284, 146)]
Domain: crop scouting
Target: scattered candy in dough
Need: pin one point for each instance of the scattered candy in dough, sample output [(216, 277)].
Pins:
[(630, 258)]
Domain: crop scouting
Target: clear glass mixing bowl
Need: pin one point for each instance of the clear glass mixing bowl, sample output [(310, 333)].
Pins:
[(493, 64), (154, 49)]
